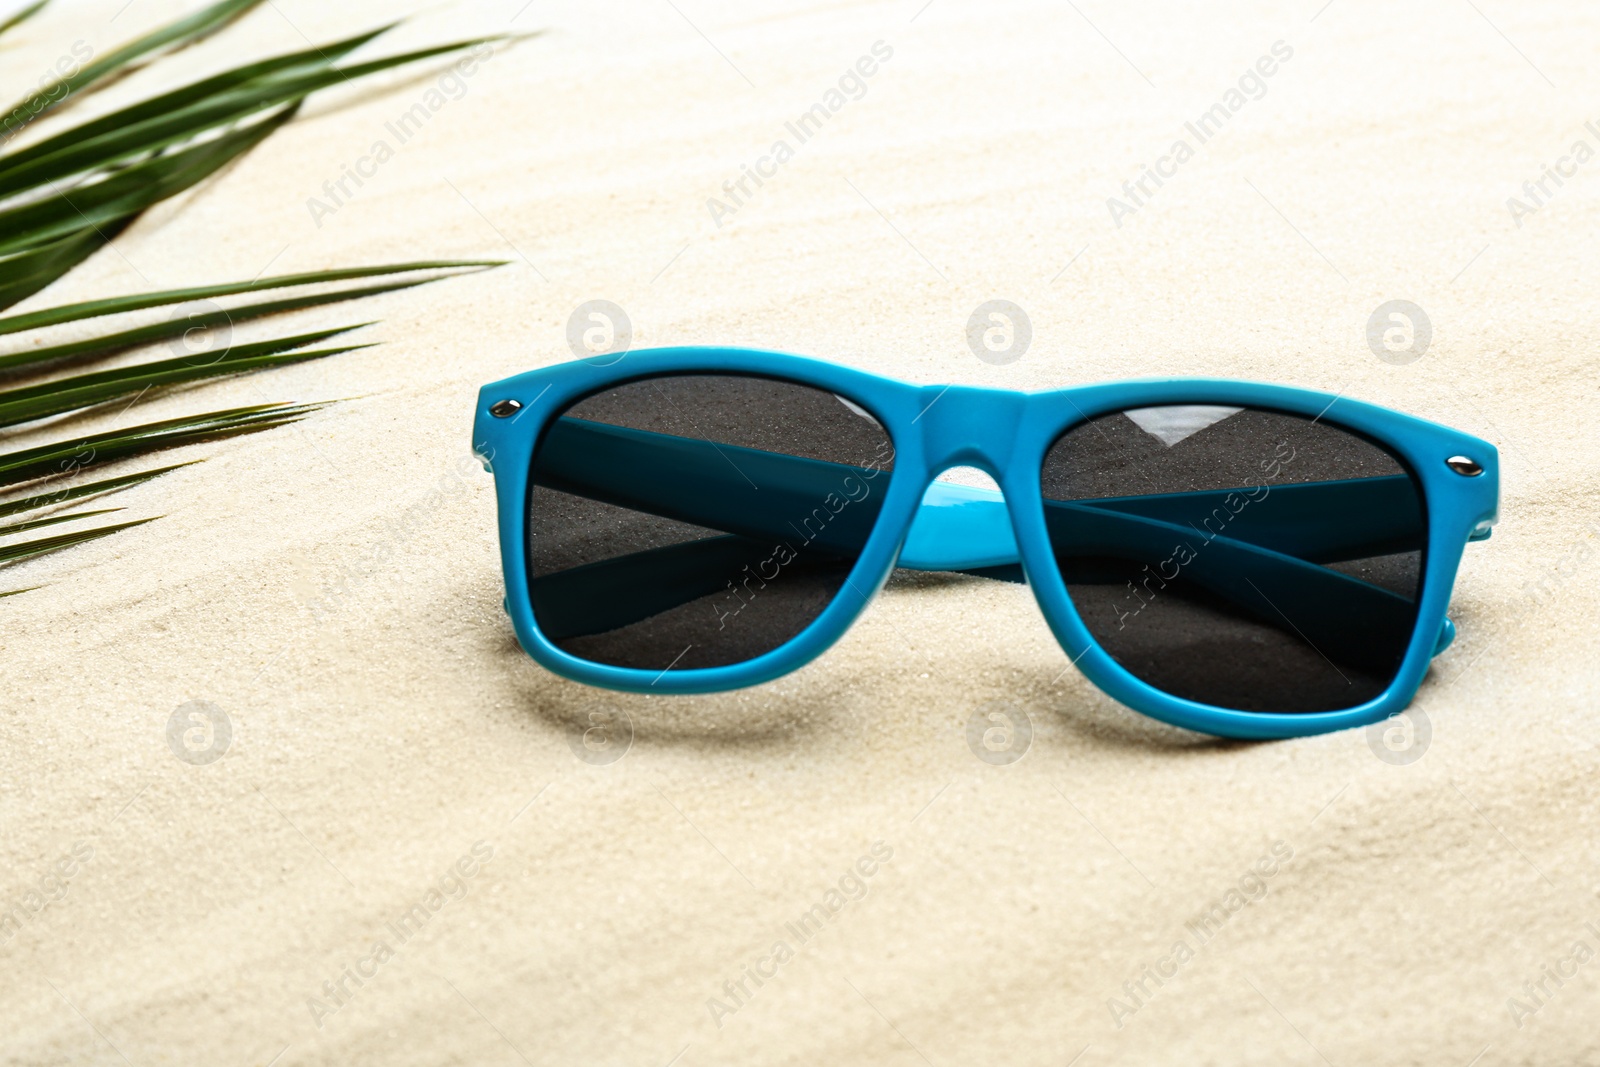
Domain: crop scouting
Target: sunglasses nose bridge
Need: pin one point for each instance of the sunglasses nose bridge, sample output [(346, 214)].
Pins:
[(963, 425)]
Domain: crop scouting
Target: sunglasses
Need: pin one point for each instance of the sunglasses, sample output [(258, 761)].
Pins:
[(1246, 560)]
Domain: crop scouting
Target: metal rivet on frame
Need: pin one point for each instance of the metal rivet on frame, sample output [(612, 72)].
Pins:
[(507, 408), (1464, 465)]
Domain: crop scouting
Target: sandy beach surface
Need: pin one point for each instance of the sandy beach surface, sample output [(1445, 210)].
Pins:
[(406, 854)]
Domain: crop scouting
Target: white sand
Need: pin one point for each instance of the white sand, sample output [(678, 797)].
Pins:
[(374, 745)]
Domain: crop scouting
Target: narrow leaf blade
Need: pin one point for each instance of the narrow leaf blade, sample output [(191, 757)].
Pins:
[(26, 273), (80, 492), (9, 529), (174, 35), (22, 16), (31, 549), (129, 191), (178, 99), (31, 408), (139, 371), (77, 454), (34, 320)]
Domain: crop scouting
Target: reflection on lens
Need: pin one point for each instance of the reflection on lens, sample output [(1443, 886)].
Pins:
[(1241, 558), (693, 521)]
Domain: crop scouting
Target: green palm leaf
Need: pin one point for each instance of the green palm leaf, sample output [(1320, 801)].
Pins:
[(111, 344), (30, 549), (65, 196), (83, 453), (130, 190), (25, 273), (172, 36), (46, 163), (22, 16), (80, 492), (178, 99), (85, 390), (163, 331), (55, 520), (101, 174), (117, 305)]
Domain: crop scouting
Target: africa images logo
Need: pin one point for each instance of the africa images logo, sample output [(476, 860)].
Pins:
[(1251, 85), (852, 85)]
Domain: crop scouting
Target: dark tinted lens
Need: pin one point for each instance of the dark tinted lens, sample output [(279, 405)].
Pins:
[(1245, 559), (698, 520)]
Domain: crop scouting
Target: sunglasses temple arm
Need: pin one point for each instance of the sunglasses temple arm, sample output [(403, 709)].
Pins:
[(964, 528), (834, 505), (759, 496)]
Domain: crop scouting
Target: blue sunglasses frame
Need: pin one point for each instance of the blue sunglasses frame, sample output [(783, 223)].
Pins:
[(1006, 434)]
